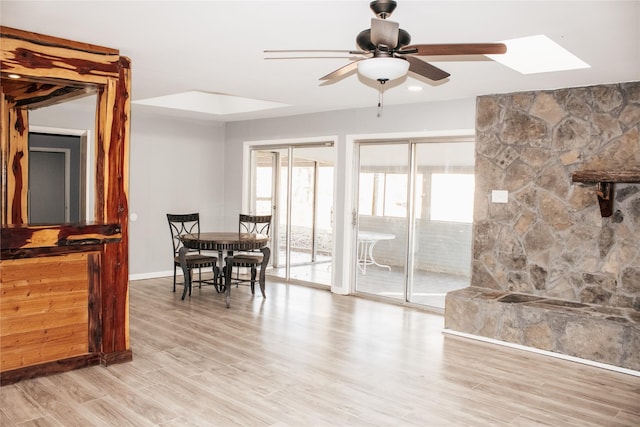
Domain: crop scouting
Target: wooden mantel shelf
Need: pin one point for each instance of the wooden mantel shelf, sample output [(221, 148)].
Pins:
[(604, 181), (604, 176)]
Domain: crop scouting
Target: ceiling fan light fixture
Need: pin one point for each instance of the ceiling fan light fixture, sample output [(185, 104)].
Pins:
[(383, 68)]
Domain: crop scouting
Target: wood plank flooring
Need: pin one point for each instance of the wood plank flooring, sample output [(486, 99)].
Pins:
[(306, 357)]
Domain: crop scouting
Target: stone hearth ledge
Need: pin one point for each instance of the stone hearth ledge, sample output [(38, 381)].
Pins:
[(608, 335)]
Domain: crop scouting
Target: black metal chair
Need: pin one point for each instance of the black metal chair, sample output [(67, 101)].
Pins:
[(180, 224), (259, 224)]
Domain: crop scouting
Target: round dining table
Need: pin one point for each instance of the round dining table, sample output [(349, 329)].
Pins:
[(366, 241), (224, 242)]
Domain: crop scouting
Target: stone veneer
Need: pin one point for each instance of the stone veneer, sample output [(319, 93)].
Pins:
[(548, 270)]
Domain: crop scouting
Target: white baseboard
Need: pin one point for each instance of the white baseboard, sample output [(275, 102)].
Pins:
[(154, 275), (168, 273), (544, 352)]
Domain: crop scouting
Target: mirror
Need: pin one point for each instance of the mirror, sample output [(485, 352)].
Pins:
[(61, 128)]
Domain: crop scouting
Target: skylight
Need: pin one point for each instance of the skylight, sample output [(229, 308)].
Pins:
[(538, 54), (209, 103)]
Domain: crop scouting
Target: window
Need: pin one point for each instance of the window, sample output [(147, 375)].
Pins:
[(452, 197), (263, 198), (395, 195), (385, 194)]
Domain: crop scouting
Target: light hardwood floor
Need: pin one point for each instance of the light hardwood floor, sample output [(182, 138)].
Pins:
[(306, 357)]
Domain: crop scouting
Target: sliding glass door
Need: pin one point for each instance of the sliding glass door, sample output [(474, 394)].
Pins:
[(295, 182), (383, 190), (415, 207)]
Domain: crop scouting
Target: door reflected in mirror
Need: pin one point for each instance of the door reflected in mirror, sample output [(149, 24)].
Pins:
[(61, 171)]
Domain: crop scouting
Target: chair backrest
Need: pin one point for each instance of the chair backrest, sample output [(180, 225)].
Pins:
[(254, 224), (180, 224)]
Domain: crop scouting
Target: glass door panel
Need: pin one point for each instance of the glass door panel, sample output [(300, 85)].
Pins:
[(264, 199), (264, 188), (302, 210), (421, 263), (324, 214), (442, 221), (312, 202), (383, 185), (301, 179)]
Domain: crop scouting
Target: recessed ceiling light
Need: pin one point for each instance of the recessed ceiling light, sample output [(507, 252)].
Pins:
[(415, 88), (538, 54), (14, 76)]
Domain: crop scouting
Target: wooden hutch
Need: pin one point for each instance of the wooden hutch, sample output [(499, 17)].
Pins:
[(63, 287)]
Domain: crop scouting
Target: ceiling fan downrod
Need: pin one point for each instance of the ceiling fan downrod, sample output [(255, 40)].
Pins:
[(383, 8)]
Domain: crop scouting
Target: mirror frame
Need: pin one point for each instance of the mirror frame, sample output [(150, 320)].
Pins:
[(53, 70)]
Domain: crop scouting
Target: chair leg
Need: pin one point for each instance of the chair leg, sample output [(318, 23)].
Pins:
[(253, 279), (174, 276), (187, 284), (237, 276), (227, 283), (266, 252), (186, 271), (221, 287)]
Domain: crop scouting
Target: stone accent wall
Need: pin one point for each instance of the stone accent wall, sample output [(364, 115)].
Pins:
[(548, 270)]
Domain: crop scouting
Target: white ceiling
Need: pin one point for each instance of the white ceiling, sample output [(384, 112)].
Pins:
[(217, 46)]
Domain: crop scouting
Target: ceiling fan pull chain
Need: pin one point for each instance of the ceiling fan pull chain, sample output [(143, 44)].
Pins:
[(381, 96)]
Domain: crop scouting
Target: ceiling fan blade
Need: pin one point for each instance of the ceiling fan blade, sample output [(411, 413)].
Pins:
[(384, 33), (425, 69), (457, 49), (350, 52), (341, 71), (350, 58)]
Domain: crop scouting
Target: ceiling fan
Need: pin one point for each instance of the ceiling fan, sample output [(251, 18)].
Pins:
[(386, 52)]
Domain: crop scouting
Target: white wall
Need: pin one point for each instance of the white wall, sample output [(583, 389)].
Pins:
[(176, 166)]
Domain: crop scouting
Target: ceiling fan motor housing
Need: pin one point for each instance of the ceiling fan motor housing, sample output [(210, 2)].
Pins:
[(363, 41)]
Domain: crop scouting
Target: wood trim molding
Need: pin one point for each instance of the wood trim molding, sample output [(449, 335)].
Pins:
[(54, 70), (44, 236), (49, 368)]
